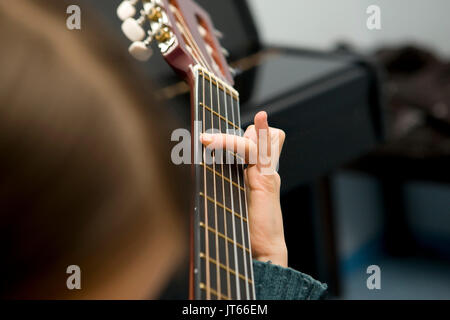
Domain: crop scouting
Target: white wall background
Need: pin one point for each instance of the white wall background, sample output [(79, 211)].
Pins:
[(321, 24)]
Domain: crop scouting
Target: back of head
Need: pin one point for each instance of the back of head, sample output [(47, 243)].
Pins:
[(83, 173)]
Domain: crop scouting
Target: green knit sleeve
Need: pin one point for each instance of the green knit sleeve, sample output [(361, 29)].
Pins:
[(273, 282)]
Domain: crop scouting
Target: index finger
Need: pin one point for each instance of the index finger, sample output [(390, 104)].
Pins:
[(244, 147)]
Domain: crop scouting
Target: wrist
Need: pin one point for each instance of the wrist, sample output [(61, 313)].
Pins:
[(278, 257)]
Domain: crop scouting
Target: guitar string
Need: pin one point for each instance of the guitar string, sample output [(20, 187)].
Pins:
[(236, 265), (218, 289), (248, 220), (191, 38), (208, 287), (200, 59), (223, 198), (240, 207), (195, 55)]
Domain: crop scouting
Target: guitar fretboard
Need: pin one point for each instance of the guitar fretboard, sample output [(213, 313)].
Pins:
[(222, 253)]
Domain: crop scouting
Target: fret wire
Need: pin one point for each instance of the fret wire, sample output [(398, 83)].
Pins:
[(207, 275), (220, 234), (222, 176), (206, 73), (215, 196), (214, 292), (217, 83), (228, 91), (223, 206), (219, 115), (202, 255), (240, 206)]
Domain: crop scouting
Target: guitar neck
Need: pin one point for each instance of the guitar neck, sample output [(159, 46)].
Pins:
[(222, 262)]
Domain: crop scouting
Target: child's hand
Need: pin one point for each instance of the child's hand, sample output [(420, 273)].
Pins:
[(261, 147)]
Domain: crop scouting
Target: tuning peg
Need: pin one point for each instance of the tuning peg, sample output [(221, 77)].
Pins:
[(209, 49), (126, 9), (225, 52), (140, 50), (133, 29), (218, 34), (202, 31)]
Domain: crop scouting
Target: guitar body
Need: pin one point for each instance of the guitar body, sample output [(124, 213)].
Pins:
[(220, 251)]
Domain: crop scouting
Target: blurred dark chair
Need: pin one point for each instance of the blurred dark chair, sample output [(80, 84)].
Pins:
[(418, 138)]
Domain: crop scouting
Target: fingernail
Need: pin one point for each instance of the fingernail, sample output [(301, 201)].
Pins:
[(206, 137)]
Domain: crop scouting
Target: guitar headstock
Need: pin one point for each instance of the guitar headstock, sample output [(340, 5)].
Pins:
[(183, 30)]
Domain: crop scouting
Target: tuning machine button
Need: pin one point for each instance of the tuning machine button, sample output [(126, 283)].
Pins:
[(141, 50), (133, 29), (126, 9)]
